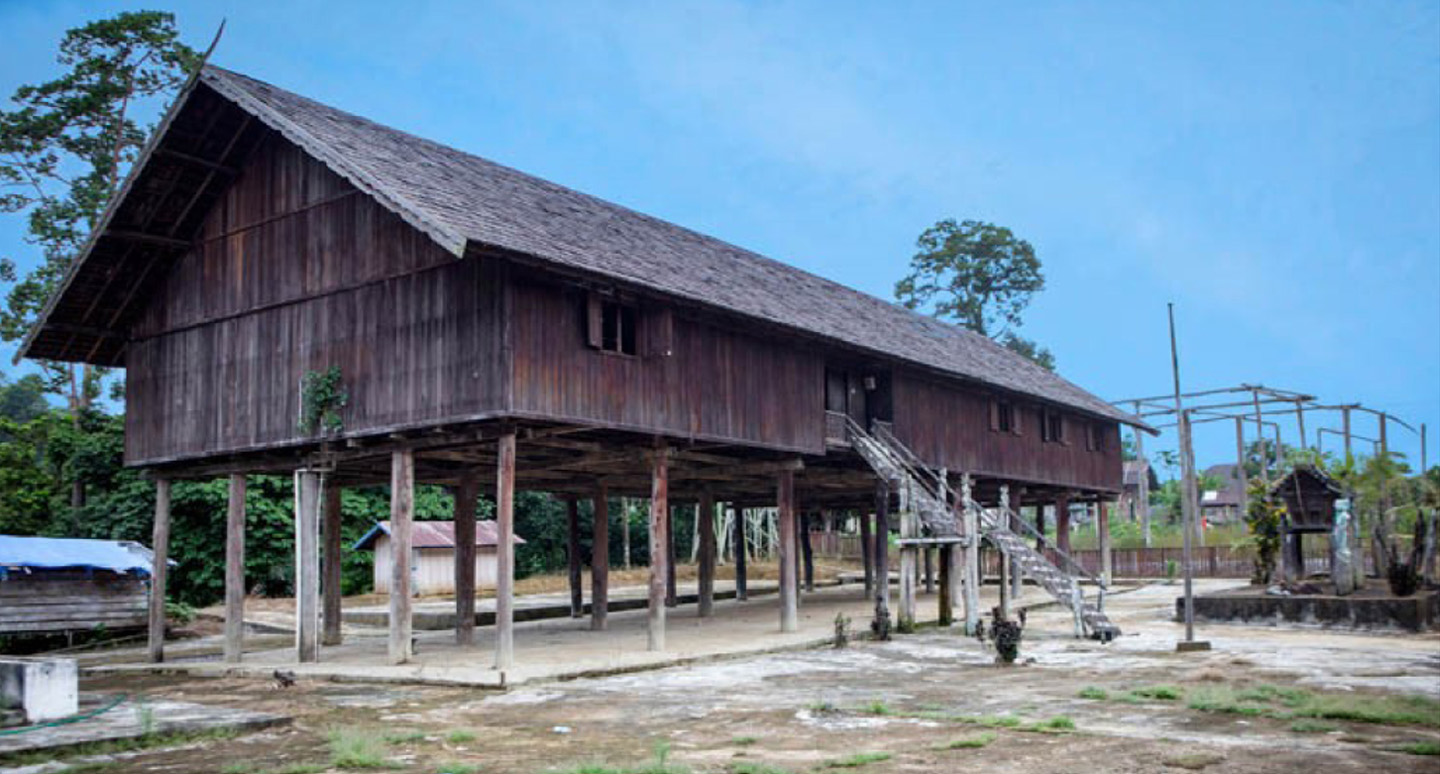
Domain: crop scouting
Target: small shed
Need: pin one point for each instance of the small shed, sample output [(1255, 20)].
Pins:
[(57, 585), (432, 559)]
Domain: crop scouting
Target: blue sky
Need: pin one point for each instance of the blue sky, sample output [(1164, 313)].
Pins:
[(1272, 168)]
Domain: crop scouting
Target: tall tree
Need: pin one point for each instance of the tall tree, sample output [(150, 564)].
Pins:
[(981, 276), (62, 153)]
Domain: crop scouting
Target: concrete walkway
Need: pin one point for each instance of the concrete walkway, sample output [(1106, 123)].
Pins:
[(564, 649)]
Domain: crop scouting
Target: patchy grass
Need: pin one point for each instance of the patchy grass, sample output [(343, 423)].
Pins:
[(457, 768), (1192, 761), (116, 746), (858, 759), (1056, 725), (293, 768), (1091, 692), (744, 741), (404, 737), (356, 749), (1420, 748), (93, 767), (1312, 727), (756, 768), (971, 743), (1293, 703), (829, 708), (460, 736), (877, 707), (996, 721), (1157, 692)]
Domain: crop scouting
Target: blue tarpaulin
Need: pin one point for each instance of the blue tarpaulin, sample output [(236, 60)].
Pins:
[(55, 553)]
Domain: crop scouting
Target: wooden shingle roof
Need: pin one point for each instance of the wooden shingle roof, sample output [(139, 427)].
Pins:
[(465, 202)]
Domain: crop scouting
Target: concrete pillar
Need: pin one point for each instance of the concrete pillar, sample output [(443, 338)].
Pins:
[(402, 514), (235, 570), (158, 573), (307, 566), (505, 553)]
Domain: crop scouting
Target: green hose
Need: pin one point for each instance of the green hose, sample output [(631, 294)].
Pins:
[(67, 721)]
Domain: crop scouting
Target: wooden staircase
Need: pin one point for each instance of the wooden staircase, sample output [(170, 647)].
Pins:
[(933, 501)]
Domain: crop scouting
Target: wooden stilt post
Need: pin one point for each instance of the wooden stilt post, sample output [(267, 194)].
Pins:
[(972, 559), (909, 555), (1103, 520), (1062, 523), (600, 562), (882, 557), (1017, 578), (1039, 527), (572, 550), (659, 541), (929, 570), (307, 566), (789, 576), (807, 552), (402, 513), (741, 592), (160, 570), (1007, 568), (332, 564), (946, 613), (505, 553), (466, 495), (672, 597), (867, 551), (235, 570), (706, 524)]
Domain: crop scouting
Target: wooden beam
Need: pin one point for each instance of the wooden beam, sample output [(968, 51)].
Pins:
[(600, 561), (659, 540), (467, 493), (789, 576), (235, 570), (150, 239), (307, 566), (402, 513), (572, 551), (160, 547), (333, 566), (706, 515), (505, 554), (197, 161)]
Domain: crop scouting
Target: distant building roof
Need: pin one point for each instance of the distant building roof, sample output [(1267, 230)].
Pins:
[(122, 556), (433, 534), (1232, 486), (1132, 474)]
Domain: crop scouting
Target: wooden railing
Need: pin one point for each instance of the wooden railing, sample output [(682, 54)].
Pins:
[(835, 434)]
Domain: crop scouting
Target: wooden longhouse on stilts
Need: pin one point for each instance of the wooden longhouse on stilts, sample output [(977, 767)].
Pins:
[(494, 332)]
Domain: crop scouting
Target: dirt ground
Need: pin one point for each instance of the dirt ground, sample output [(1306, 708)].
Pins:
[(815, 710)]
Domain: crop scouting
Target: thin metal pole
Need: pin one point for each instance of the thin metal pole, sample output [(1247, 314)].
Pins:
[(1187, 489)]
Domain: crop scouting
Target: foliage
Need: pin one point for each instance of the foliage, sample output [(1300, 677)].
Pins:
[(352, 748), (322, 397), (981, 276), (62, 150), (1006, 635), (1265, 517), (842, 630)]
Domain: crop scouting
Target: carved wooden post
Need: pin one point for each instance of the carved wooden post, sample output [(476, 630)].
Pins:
[(402, 513), (235, 570), (572, 546), (659, 543), (882, 554), (789, 575), (600, 562), (331, 566), (1006, 568), (972, 559), (307, 566), (466, 495), (159, 570), (505, 553), (706, 523)]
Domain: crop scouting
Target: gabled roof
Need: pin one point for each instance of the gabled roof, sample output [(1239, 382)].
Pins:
[(433, 534), (465, 203), (1232, 486)]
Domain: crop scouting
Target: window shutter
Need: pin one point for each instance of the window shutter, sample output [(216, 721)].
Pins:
[(661, 333), (1017, 423), (594, 320), (1090, 436), (994, 416)]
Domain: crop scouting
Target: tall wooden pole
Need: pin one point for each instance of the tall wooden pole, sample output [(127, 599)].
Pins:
[(1384, 434), (1240, 466), (882, 551), (235, 570), (572, 550), (1345, 419), (909, 554), (741, 591), (1300, 423), (1144, 489), (402, 514), (672, 595), (331, 565), (972, 558), (1062, 523), (1102, 522), (160, 570), (467, 494), (1006, 568), (659, 543), (505, 552), (789, 572), (600, 561), (1187, 466), (807, 553), (867, 551), (307, 566), (706, 525), (1260, 438)]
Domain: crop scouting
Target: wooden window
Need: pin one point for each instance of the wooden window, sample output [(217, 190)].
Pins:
[(611, 326), (1095, 437), (1052, 426), (1002, 417)]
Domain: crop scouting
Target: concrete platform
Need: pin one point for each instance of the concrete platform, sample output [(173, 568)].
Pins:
[(132, 718), (565, 649), (1370, 608)]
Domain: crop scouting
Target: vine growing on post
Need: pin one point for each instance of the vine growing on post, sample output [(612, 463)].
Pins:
[(1265, 517), (322, 396)]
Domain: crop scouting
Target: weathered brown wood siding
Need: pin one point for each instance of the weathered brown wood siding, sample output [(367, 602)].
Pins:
[(296, 271), (717, 383), (949, 425), (70, 600)]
